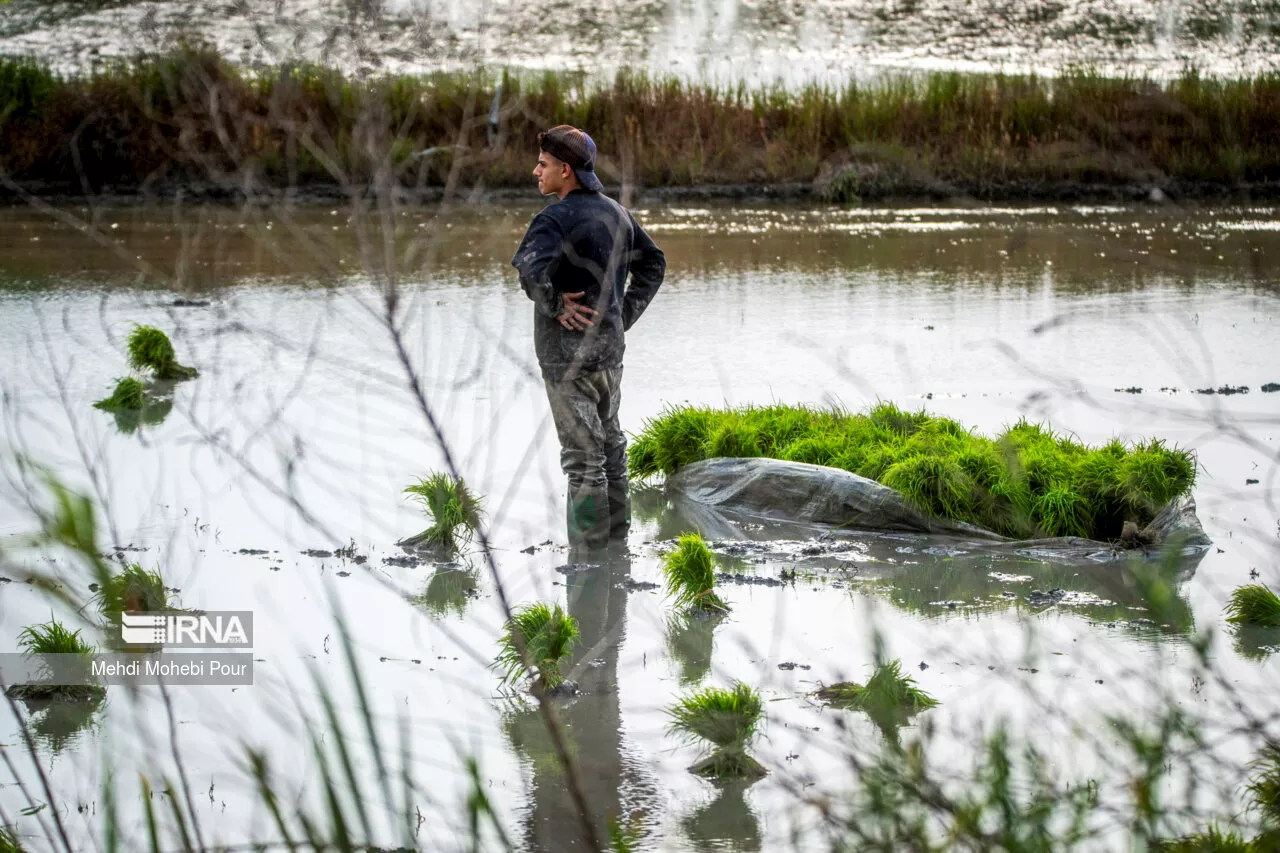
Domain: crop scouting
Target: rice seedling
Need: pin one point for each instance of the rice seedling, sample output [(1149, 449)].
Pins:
[(1026, 482), (889, 697), (134, 590), (690, 574), (547, 634), (936, 485), (1212, 840), (1264, 787), (1254, 604), (454, 511), (54, 638), (151, 349), (728, 719), (126, 396), (9, 841)]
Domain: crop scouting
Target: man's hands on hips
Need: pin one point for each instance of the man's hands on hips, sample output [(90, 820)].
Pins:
[(576, 316)]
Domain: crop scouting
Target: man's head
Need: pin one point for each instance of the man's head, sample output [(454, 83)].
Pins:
[(567, 160)]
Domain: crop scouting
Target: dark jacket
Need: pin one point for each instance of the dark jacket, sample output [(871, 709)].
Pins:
[(586, 242)]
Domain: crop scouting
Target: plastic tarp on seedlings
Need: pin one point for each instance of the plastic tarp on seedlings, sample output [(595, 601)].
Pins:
[(720, 495)]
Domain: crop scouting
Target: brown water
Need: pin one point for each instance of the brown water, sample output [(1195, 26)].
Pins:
[(300, 434)]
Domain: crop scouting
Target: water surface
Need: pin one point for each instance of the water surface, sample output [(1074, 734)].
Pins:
[(302, 430)]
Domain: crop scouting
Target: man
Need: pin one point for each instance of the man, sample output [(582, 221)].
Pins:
[(573, 263)]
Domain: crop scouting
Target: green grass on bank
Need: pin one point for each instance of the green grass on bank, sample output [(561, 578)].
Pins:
[(1024, 483), (190, 115)]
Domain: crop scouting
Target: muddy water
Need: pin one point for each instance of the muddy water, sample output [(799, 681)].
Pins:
[(301, 432)]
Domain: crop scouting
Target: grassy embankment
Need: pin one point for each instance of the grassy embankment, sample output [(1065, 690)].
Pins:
[(191, 119), (1026, 482)]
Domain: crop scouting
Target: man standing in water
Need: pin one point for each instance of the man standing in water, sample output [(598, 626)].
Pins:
[(573, 263)]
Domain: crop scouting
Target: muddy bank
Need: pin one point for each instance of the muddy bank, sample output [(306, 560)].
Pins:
[(1169, 193)]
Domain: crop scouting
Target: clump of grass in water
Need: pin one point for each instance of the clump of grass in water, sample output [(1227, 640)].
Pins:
[(548, 635), (691, 578), (1264, 788), (728, 719), (1024, 483), (128, 395), (1254, 604), (454, 511), (151, 349), (54, 638), (888, 697), (134, 589)]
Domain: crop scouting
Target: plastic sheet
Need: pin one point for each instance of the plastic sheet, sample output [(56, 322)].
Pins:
[(720, 495)]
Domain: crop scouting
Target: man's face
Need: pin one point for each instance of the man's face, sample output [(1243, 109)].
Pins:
[(551, 172)]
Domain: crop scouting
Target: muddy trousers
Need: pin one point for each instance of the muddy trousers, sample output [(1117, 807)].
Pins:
[(593, 454)]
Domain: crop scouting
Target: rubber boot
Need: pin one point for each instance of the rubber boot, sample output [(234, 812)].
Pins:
[(619, 511), (587, 518)]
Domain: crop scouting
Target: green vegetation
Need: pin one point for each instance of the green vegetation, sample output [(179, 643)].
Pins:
[(54, 638), (1254, 604), (547, 634), (151, 349), (9, 841), (191, 114), (1264, 787), (728, 719), (888, 697), (455, 512), (134, 590), (1025, 483), (690, 574), (128, 395)]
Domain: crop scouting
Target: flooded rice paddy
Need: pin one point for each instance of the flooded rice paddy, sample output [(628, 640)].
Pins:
[(301, 431)]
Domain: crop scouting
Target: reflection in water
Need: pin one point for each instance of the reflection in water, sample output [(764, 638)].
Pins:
[(449, 590), (725, 823), (1256, 642), (690, 639), (57, 723), (945, 577), (591, 721), (153, 412)]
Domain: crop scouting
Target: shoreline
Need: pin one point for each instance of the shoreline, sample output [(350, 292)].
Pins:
[(1150, 193)]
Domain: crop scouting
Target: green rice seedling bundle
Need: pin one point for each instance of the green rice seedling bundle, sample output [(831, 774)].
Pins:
[(889, 697), (128, 395), (151, 349), (455, 512), (548, 635), (1024, 483), (690, 574), (1264, 787), (135, 590), (1254, 604), (728, 720), (54, 638)]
